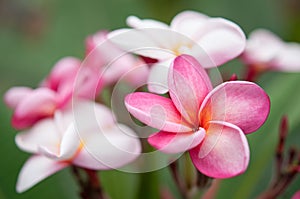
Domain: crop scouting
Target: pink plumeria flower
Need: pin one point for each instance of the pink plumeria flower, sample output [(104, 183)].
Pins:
[(266, 51), (106, 58), (212, 41), (209, 123), (86, 136), (56, 91), (296, 195)]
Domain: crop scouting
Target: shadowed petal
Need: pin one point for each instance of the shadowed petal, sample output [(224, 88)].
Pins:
[(224, 152), (176, 142), (188, 86), (156, 111), (158, 77), (108, 148), (241, 103), (36, 169)]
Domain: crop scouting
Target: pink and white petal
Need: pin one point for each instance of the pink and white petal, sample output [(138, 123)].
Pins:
[(135, 22), (188, 86), (288, 58), (44, 133), (153, 43), (241, 103), (188, 22), (40, 103), (262, 46), (224, 152), (156, 111), (92, 41), (36, 169), (158, 77), (66, 149), (168, 142), (111, 147), (15, 95), (296, 195), (222, 40)]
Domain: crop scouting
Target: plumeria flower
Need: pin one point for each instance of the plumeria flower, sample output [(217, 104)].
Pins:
[(56, 91), (86, 136), (212, 41), (266, 51), (113, 63), (296, 195), (209, 123)]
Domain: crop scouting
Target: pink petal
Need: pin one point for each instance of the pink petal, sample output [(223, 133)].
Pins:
[(262, 47), (36, 169), (224, 152), (188, 22), (221, 40), (64, 70), (135, 22), (108, 148), (296, 195), (39, 104), (176, 142), (288, 58), (188, 84), (92, 41), (158, 77), (241, 103), (15, 95), (156, 111), (44, 133)]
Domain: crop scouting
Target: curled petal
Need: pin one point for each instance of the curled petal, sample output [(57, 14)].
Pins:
[(176, 142), (188, 86), (15, 95), (40, 103), (67, 148), (36, 169), (224, 152), (44, 133), (108, 148), (241, 103), (156, 111)]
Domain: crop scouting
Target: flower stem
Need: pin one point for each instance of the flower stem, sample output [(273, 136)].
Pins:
[(89, 183)]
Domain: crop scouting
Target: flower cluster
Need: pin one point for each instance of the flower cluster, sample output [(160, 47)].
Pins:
[(63, 121)]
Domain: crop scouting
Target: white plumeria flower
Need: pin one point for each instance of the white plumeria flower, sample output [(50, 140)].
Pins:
[(265, 50), (86, 136), (212, 41)]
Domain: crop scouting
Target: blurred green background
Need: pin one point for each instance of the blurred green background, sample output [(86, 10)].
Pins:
[(35, 34)]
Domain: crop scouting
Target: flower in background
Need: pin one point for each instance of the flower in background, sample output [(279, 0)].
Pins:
[(266, 51), (212, 41), (67, 79), (210, 123), (112, 63), (85, 136), (296, 195)]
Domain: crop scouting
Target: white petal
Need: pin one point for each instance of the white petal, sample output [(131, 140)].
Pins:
[(36, 169)]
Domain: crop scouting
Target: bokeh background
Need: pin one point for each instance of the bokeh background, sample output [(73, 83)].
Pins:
[(34, 34)]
